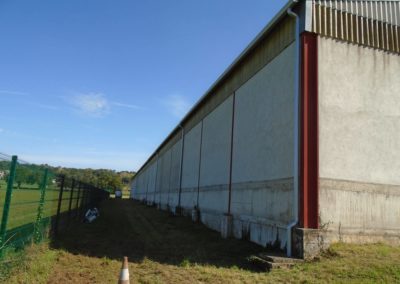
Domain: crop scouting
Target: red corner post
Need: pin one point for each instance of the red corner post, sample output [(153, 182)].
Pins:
[(308, 215)]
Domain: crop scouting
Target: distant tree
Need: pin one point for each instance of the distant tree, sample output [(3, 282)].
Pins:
[(33, 177), (21, 176), (108, 179), (125, 180)]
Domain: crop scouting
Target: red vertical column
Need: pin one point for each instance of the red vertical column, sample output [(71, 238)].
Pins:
[(308, 215)]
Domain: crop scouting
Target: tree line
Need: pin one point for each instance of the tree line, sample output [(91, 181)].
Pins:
[(31, 175)]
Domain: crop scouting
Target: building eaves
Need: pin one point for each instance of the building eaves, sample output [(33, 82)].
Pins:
[(264, 32)]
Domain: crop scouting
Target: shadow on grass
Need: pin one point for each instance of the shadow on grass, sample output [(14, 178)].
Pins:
[(128, 228)]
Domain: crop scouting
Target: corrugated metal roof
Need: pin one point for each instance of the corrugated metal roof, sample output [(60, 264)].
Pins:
[(368, 23)]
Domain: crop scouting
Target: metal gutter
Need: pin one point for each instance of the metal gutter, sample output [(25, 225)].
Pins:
[(281, 14), (296, 135)]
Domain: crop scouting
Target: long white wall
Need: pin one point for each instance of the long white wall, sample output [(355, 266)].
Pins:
[(215, 158), (359, 137), (261, 149), (174, 182), (151, 183), (190, 167), (263, 142), (359, 113), (164, 183)]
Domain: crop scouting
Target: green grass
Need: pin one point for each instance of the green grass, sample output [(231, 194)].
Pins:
[(24, 205), (166, 249), (28, 266), (24, 209), (343, 263), (3, 185)]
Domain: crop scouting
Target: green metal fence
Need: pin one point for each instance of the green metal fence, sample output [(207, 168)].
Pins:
[(36, 203)]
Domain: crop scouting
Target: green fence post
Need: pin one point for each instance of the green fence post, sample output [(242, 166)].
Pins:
[(7, 201), (71, 195), (77, 200), (84, 201), (43, 186), (60, 196)]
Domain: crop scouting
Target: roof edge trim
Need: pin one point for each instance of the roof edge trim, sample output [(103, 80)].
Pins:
[(271, 24)]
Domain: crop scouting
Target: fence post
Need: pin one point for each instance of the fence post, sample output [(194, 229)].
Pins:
[(90, 196), (77, 200), (43, 186), (82, 204), (60, 194), (7, 201), (70, 199), (85, 204)]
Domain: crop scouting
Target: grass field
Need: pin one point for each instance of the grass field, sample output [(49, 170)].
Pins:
[(3, 185), (25, 202), (166, 249)]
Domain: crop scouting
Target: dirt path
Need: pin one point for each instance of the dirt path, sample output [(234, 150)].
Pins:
[(156, 243)]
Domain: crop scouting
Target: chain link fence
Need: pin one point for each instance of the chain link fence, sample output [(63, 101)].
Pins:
[(36, 203)]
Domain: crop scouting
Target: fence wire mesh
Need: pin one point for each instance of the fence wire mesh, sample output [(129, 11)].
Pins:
[(35, 202)]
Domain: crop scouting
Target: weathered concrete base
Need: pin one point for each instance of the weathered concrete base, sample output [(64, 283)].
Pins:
[(308, 243), (211, 219), (186, 212), (363, 237), (375, 215), (173, 198), (178, 211), (226, 226), (189, 197), (257, 230), (164, 206), (241, 229), (195, 215), (261, 231)]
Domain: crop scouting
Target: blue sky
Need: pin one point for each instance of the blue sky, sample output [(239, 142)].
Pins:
[(95, 83)]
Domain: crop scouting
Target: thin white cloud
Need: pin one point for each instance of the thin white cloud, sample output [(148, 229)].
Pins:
[(13, 93), (177, 105), (95, 104), (92, 104), (126, 105)]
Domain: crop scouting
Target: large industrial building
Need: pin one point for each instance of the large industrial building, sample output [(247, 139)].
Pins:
[(297, 144)]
